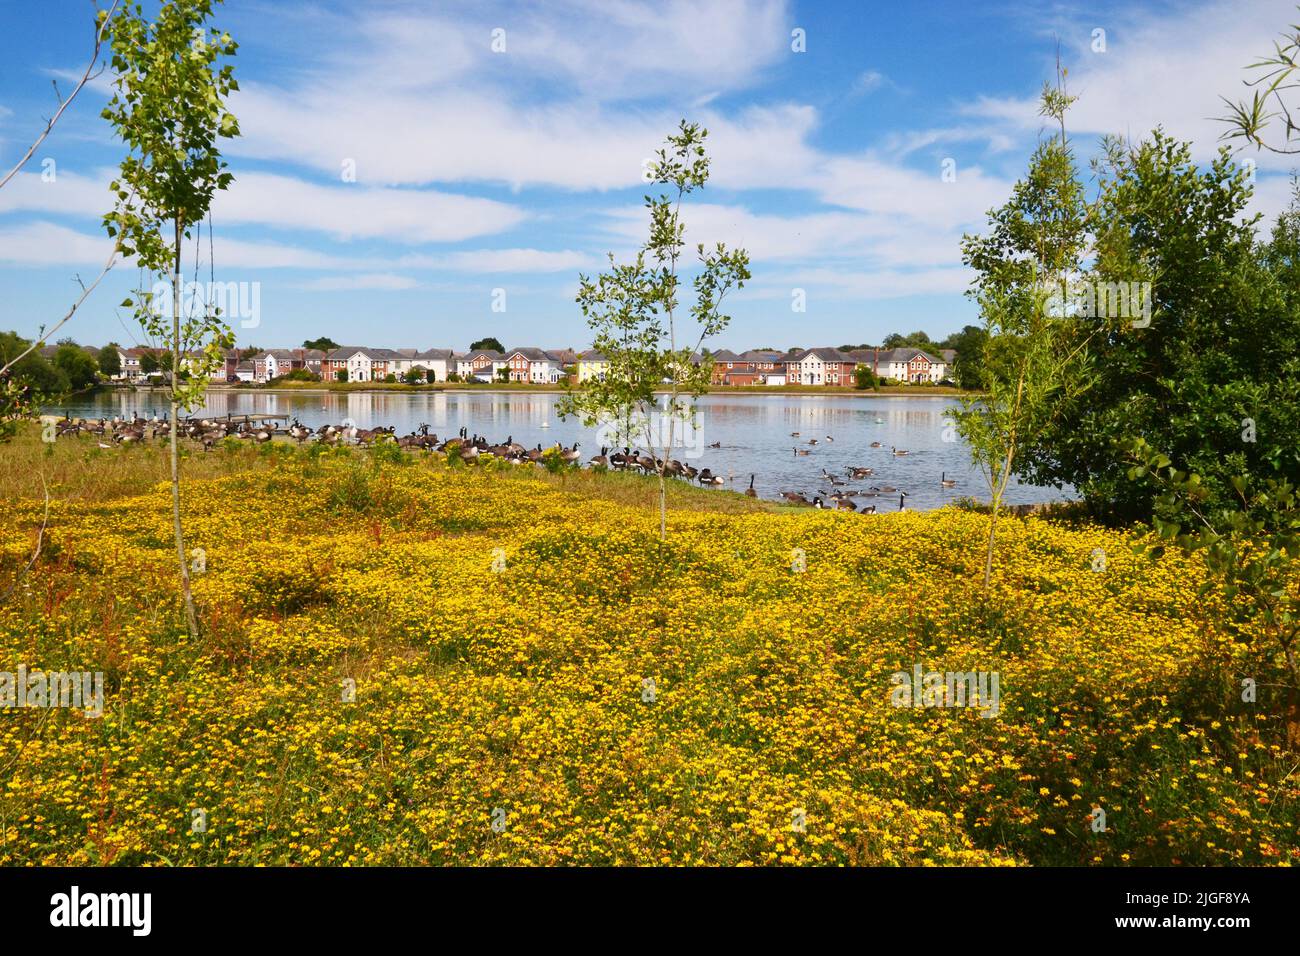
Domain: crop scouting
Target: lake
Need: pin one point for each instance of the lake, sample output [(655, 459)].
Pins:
[(753, 432)]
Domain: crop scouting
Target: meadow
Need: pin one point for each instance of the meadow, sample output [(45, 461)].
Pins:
[(405, 662)]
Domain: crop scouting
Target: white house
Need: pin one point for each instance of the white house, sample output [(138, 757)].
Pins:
[(438, 361), (910, 365), (821, 367)]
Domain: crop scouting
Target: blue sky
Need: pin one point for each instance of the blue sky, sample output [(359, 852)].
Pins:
[(478, 171)]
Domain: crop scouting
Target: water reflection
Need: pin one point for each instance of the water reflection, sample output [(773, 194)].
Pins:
[(754, 432)]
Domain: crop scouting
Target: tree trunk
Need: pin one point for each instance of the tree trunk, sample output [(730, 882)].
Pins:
[(191, 618), (988, 558), (663, 506)]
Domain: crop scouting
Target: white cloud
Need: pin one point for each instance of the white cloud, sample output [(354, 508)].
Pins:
[(353, 210), (501, 260), (1158, 69), (370, 280), (344, 211)]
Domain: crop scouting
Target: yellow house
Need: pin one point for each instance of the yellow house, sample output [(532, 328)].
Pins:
[(592, 365)]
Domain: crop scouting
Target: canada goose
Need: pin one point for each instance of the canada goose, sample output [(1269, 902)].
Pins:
[(750, 490), (829, 438), (795, 497), (868, 510), (899, 452), (843, 504), (818, 503), (570, 455), (707, 477), (857, 472), (812, 441), (600, 460), (716, 444), (945, 481), (888, 489), (802, 451), (902, 502), (876, 444), (794, 434)]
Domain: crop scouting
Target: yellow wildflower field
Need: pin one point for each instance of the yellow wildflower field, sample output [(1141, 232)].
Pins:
[(407, 663)]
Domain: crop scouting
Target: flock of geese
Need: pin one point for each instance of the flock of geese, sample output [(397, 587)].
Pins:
[(112, 432), (841, 498)]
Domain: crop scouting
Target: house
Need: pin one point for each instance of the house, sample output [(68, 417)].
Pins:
[(311, 359), (535, 366), (353, 363), (748, 368), (592, 365), (822, 367), (481, 365), (909, 365), (273, 363), (129, 359), (440, 362)]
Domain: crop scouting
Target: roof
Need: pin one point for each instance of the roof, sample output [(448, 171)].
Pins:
[(904, 355), (591, 355), (529, 353), (435, 354), (826, 355)]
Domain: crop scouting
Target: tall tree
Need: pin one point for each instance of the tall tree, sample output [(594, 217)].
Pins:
[(110, 360), (78, 367), (636, 314), (969, 344), (1204, 382), (169, 109), (1032, 369)]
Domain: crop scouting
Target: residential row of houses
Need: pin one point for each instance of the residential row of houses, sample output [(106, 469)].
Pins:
[(816, 366), (830, 366)]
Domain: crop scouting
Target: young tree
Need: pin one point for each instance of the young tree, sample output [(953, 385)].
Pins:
[(635, 312), (1033, 367), (169, 109), (864, 378)]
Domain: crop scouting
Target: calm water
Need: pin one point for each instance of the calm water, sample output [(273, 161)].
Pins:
[(754, 432)]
